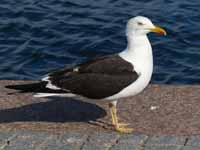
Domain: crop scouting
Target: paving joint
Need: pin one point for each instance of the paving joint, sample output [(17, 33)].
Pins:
[(8, 141), (114, 143), (39, 147), (86, 140), (144, 143), (186, 141)]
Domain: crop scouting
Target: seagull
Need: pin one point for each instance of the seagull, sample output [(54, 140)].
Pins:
[(109, 78)]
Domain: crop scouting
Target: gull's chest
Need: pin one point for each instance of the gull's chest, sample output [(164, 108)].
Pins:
[(142, 62)]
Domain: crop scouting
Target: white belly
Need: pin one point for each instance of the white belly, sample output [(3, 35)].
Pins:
[(136, 87)]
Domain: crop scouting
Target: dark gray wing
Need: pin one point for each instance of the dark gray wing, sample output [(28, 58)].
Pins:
[(96, 79)]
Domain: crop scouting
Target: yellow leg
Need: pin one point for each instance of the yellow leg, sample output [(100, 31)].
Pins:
[(114, 122), (119, 127)]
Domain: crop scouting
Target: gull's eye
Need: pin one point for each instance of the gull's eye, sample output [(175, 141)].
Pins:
[(140, 23)]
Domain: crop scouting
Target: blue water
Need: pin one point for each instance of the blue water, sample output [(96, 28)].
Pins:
[(39, 36)]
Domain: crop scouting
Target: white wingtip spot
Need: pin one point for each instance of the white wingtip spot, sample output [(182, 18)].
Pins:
[(49, 84), (76, 69), (45, 78)]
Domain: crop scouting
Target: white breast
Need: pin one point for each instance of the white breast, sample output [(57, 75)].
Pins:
[(142, 60)]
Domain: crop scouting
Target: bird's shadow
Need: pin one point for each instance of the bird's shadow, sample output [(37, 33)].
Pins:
[(55, 110)]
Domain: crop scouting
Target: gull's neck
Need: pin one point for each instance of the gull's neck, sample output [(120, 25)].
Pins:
[(138, 51)]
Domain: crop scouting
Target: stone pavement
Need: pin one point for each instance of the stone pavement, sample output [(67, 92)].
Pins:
[(35, 140), (164, 118)]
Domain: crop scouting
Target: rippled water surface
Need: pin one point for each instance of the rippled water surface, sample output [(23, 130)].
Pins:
[(39, 36)]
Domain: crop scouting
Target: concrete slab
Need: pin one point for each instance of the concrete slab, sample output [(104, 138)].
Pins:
[(164, 117)]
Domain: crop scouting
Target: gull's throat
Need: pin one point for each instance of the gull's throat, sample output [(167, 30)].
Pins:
[(138, 49)]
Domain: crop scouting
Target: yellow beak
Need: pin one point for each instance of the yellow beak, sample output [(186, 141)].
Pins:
[(158, 30)]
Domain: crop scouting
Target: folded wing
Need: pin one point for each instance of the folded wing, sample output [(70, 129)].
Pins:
[(96, 79)]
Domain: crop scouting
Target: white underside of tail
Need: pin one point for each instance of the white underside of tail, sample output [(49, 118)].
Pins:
[(54, 94)]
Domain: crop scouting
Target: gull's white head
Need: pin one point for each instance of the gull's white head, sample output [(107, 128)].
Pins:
[(141, 26)]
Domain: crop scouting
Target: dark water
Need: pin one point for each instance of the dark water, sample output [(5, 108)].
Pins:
[(38, 36)]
